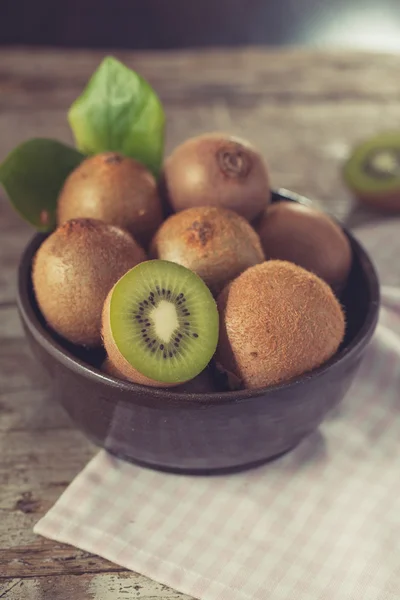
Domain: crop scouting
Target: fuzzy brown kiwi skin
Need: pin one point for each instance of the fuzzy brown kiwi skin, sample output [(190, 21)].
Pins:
[(307, 237), (73, 271), (217, 169), (115, 189), (118, 363), (108, 368), (277, 321), (217, 244), (201, 384)]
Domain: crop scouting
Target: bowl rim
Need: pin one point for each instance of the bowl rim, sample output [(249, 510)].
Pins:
[(167, 397)]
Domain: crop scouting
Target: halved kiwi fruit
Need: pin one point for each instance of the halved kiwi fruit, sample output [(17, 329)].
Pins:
[(372, 172), (215, 169), (160, 324), (116, 189)]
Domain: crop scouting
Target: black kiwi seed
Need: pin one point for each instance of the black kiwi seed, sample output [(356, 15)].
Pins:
[(170, 354), (165, 355), (179, 296), (161, 346)]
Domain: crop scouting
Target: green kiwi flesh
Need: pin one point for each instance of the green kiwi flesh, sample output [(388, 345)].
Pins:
[(374, 165), (160, 324)]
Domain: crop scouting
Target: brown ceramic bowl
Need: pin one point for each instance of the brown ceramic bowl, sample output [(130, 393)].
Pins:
[(200, 433)]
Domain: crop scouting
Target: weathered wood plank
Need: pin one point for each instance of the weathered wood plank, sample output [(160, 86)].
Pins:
[(52, 79), (106, 586)]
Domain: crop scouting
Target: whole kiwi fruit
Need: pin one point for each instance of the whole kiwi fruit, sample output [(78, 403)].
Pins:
[(115, 189), (277, 321), (73, 271), (307, 237), (216, 243), (216, 169)]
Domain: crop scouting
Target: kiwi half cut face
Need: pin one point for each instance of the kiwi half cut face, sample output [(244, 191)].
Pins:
[(374, 166), (160, 324)]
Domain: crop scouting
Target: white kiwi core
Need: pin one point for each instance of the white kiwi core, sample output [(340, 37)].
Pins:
[(165, 320)]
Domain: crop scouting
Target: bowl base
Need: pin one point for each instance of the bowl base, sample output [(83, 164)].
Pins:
[(203, 472)]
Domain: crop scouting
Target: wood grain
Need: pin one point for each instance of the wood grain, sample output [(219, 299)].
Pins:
[(104, 586), (303, 109)]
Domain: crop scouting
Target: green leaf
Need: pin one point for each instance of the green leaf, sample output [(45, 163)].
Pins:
[(33, 174), (119, 112)]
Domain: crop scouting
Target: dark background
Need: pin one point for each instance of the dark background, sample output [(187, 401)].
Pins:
[(164, 24)]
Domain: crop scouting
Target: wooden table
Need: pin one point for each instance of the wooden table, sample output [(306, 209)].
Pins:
[(303, 109)]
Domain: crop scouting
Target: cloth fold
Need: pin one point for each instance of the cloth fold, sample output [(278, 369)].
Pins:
[(320, 523)]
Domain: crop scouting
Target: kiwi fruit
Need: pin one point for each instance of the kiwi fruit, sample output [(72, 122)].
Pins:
[(115, 189), (216, 243), (160, 324), (201, 384), (110, 369), (277, 321), (372, 172), (73, 271), (216, 169), (307, 237)]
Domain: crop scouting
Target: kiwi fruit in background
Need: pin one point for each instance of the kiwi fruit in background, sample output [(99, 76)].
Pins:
[(73, 271), (216, 243), (115, 189), (372, 172), (160, 324), (277, 321), (307, 237), (216, 169)]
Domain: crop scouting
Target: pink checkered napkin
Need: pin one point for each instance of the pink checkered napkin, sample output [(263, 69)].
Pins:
[(320, 523)]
